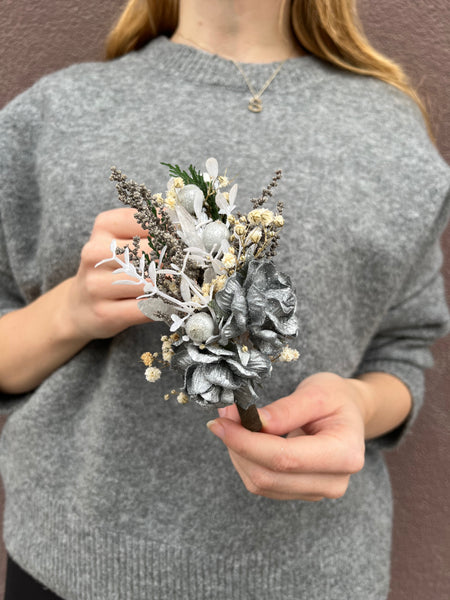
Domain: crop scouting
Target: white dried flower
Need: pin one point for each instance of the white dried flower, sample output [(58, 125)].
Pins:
[(240, 229), (167, 355), (288, 355), (254, 216), (229, 260), (219, 282), (170, 201), (167, 351), (152, 374), (278, 221), (178, 182), (254, 235), (266, 216), (182, 398)]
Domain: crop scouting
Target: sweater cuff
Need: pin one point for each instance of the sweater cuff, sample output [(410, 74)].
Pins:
[(413, 377)]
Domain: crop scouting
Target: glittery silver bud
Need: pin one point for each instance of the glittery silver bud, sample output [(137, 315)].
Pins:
[(199, 327), (189, 195), (213, 234)]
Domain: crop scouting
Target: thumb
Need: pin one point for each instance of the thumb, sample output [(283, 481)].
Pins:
[(230, 412), (292, 412)]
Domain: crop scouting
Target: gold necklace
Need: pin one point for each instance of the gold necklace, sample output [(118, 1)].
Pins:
[(255, 104)]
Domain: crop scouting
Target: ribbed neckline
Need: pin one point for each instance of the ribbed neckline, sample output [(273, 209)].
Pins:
[(192, 64)]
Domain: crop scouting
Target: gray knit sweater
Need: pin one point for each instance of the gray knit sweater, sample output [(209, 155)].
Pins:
[(113, 493)]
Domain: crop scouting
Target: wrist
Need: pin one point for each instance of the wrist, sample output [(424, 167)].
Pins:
[(384, 401), (363, 398), (66, 325)]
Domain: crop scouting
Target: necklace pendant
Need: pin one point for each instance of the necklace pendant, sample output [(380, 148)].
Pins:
[(255, 105)]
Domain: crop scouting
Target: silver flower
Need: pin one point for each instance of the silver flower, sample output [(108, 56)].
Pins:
[(262, 301), (219, 376)]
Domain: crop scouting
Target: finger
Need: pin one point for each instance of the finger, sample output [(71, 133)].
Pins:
[(101, 284), (296, 433), (126, 313), (98, 250), (132, 311), (310, 405), (318, 453), (230, 412), (260, 480), (120, 223)]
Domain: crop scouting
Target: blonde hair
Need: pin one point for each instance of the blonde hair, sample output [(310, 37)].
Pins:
[(330, 29)]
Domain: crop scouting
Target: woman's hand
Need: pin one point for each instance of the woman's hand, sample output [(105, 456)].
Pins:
[(94, 308), (324, 421), (49, 331)]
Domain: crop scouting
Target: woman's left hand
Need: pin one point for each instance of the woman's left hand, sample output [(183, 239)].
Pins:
[(324, 421)]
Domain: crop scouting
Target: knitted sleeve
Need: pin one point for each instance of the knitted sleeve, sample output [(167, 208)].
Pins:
[(19, 126), (418, 316)]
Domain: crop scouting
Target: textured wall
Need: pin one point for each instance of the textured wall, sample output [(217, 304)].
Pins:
[(42, 36), (416, 34)]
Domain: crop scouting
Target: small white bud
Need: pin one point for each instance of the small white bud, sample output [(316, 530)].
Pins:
[(199, 327), (213, 234), (188, 195)]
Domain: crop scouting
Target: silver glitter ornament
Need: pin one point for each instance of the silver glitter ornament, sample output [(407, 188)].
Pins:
[(199, 327), (213, 235), (189, 195)]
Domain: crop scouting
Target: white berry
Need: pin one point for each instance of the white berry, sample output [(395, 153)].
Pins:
[(213, 234), (199, 327), (188, 195)]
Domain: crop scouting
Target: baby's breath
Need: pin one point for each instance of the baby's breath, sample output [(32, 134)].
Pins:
[(288, 354), (152, 374)]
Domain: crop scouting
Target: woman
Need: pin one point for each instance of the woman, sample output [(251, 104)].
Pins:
[(112, 493)]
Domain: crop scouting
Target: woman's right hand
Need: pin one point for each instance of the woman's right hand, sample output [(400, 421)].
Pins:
[(94, 307)]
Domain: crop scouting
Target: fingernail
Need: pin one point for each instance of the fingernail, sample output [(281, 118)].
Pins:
[(216, 428), (265, 415)]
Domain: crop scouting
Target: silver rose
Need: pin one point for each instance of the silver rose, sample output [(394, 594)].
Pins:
[(262, 301), (219, 376)]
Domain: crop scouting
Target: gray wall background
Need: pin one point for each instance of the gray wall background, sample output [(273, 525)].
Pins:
[(42, 36)]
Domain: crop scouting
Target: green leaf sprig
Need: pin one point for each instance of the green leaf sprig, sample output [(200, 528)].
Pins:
[(195, 177)]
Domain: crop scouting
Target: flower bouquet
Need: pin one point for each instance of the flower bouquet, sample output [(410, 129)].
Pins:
[(208, 273)]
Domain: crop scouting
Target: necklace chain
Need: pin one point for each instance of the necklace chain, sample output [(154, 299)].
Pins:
[(255, 104)]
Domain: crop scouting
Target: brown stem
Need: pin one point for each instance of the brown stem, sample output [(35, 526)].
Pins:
[(250, 418)]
